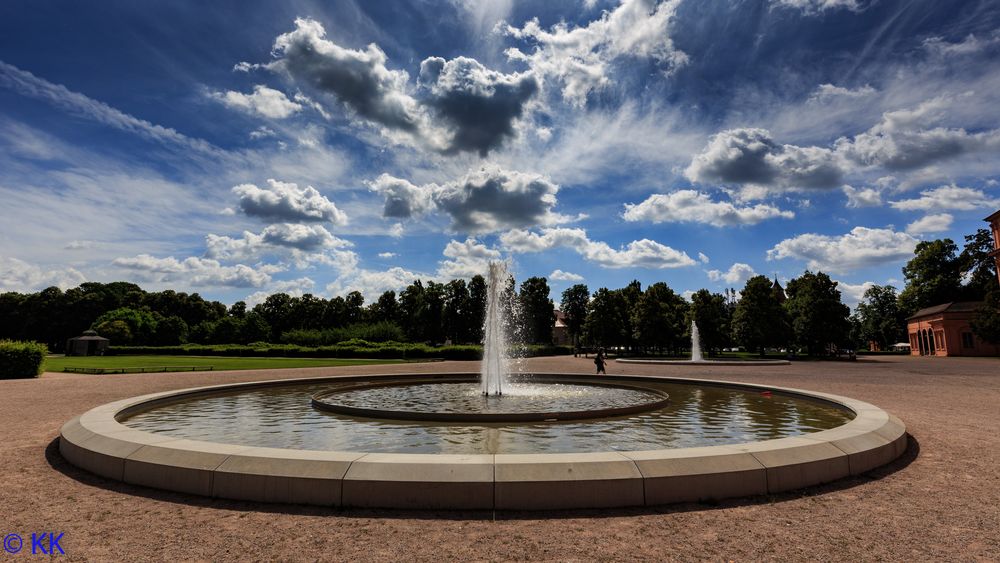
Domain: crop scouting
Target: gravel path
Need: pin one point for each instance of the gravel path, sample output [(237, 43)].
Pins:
[(939, 502)]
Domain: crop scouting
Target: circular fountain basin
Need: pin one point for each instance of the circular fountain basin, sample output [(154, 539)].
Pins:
[(366, 470)]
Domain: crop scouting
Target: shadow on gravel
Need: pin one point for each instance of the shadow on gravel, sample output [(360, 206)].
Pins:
[(58, 463)]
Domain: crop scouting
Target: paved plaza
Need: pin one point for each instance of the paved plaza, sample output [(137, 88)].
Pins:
[(938, 502)]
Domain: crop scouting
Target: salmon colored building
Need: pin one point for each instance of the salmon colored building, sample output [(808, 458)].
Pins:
[(994, 221), (944, 330)]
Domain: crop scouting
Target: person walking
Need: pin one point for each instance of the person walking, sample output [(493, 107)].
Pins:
[(599, 361)]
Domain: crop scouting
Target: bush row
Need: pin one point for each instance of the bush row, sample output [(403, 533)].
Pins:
[(20, 360), (372, 332), (355, 348)]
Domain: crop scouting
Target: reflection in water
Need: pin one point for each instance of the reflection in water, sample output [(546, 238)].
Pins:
[(283, 417)]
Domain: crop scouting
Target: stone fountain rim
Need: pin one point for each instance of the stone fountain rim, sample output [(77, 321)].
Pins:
[(96, 441)]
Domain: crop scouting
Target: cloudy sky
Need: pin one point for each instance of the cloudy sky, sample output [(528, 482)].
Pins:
[(241, 148)]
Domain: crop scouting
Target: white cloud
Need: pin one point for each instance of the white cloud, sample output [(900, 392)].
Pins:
[(828, 92), (480, 106), (303, 244), (737, 274), (903, 141), (264, 101), (467, 259), (371, 283), (860, 248), (862, 197), (813, 7), (690, 206), (703, 258), (751, 156), (967, 46), (286, 201), (935, 223), (359, 79), (852, 294), (948, 197), (387, 255), (198, 272), (262, 132), (295, 288), (580, 57), (559, 275), (28, 84), (485, 200), (18, 275), (643, 253), (403, 199)]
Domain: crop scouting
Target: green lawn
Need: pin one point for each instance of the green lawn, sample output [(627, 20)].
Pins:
[(217, 363)]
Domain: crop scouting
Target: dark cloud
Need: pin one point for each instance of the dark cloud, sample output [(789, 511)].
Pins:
[(403, 200), (491, 199), (359, 79), (285, 201), (487, 200), (479, 105), (751, 156)]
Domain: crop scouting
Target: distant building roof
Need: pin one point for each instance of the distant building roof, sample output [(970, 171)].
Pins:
[(953, 307), (89, 335)]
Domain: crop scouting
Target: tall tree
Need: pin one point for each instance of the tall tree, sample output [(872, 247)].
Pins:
[(933, 276), (713, 316), (658, 318), (605, 324), (538, 312), (759, 320), (412, 306), (477, 307), (456, 317), (986, 323), (631, 294), (818, 317), (880, 318), (385, 309), (574, 307), (977, 266), (276, 311)]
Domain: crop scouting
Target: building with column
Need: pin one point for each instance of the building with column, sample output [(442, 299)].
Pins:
[(945, 330), (994, 221)]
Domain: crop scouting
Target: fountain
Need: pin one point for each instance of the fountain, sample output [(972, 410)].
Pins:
[(697, 359), (496, 363), (695, 343), (483, 440)]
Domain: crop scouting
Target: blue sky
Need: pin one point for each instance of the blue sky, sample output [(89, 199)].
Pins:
[(244, 148)]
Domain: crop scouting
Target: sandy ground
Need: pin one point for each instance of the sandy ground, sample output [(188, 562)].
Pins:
[(939, 502)]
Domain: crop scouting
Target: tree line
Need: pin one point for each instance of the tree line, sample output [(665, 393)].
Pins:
[(807, 315), (429, 312)]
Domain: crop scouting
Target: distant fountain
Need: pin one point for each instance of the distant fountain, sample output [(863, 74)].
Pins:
[(695, 343), (496, 359)]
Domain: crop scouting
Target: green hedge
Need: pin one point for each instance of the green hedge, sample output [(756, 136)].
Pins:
[(355, 348), (375, 332), (19, 360)]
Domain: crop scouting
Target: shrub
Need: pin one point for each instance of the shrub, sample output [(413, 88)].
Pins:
[(373, 332), (20, 360)]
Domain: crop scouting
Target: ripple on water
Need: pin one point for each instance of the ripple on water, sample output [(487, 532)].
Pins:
[(282, 417)]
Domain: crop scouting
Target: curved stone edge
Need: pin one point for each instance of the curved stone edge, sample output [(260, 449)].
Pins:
[(97, 442), (705, 362)]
